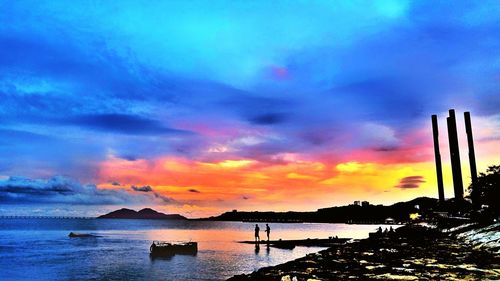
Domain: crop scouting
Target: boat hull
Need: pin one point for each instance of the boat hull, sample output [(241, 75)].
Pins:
[(168, 249)]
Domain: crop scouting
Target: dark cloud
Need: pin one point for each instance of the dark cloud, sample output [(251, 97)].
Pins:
[(411, 182), (317, 136), (386, 148), (269, 119), (115, 183), (149, 189), (58, 189), (260, 110), (145, 188), (63, 190), (122, 123), (129, 157), (165, 199), (194, 190)]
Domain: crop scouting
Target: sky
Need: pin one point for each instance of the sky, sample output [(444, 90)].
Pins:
[(200, 107)]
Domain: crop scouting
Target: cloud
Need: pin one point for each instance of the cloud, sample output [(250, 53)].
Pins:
[(411, 182), (269, 119), (18, 135), (128, 157), (122, 123), (149, 189), (63, 190), (145, 188), (165, 199), (194, 190)]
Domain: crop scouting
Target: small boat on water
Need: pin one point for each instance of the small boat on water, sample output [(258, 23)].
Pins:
[(80, 235), (159, 248)]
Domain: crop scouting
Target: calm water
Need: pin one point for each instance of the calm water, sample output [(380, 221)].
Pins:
[(41, 249)]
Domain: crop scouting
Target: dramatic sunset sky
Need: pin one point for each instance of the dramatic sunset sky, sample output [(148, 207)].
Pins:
[(199, 107)]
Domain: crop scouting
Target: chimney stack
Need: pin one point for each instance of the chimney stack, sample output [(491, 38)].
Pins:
[(437, 155), (455, 156), (470, 142)]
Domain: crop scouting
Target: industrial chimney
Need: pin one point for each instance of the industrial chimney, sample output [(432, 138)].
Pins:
[(470, 142), (455, 156), (437, 156)]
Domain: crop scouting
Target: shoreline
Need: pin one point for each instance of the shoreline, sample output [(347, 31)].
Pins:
[(412, 253)]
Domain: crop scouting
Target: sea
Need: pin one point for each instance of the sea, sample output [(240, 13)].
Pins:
[(40, 249)]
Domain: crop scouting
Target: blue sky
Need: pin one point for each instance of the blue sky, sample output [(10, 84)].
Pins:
[(86, 82)]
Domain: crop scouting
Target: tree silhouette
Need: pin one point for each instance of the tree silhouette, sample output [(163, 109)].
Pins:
[(486, 191)]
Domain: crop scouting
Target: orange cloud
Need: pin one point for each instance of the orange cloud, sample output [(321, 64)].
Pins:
[(293, 180)]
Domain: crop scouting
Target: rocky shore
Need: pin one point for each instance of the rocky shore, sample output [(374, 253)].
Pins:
[(412, 253)]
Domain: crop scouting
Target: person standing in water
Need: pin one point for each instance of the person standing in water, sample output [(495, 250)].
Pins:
[(268, 231), (257, 229)]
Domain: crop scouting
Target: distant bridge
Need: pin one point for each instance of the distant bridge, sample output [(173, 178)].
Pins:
[(45, 217)]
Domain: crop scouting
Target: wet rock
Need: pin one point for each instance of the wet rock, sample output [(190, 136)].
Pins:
[(415, 254), (286, 278), (372, 267), (389, 276)]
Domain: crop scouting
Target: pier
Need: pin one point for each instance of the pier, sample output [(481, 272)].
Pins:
[(290, 244)]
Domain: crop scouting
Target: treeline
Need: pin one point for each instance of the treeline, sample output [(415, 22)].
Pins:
[(399, 212)]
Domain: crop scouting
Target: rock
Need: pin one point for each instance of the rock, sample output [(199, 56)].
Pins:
[(404, 270), (310, 270), (389, 276), (372, 267), (411, 256), (286, 278)]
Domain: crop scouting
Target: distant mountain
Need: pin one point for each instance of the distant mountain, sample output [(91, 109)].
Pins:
[(146, 213), (366, 213)]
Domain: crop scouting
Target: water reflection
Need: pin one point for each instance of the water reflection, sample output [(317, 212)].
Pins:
[(122, 250)]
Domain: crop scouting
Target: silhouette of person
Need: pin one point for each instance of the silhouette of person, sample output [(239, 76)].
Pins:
[(257, 236), (268, 231), (379, 230), (152, 247)]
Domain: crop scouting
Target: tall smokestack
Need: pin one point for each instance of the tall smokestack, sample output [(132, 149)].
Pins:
[(437, 156), (455, 156), (470, 142)]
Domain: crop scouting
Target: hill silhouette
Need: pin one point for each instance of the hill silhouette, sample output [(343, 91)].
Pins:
[(343, 214), (146, 213)]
